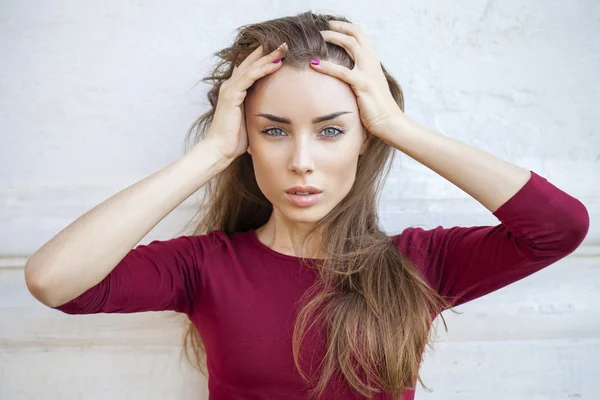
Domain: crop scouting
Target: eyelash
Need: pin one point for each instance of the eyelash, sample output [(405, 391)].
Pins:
[(340, 131)]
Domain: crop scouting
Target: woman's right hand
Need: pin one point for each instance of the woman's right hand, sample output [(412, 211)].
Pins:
[(228, 127)]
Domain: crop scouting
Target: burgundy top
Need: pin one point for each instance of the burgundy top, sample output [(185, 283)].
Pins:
[(242, 295)]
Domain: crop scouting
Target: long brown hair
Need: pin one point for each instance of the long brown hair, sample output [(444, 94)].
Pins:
[(374, 304)]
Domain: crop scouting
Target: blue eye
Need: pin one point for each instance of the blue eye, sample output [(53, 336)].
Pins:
[(337, 131), (267, 130), (334, 129)]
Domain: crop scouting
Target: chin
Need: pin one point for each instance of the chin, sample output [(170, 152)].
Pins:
[(306, 214), (302, 214)]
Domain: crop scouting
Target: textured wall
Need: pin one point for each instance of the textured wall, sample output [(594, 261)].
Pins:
[(94, 96)]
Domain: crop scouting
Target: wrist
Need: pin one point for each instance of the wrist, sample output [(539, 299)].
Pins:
[(209, 152)]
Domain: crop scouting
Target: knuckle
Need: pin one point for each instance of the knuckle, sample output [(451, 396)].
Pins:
[(349, 41), (253, 74)]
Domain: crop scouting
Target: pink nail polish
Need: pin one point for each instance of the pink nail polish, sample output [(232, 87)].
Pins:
[(277, 61), (315, 61)]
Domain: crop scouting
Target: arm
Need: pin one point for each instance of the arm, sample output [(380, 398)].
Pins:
[(487, 178), (540, 224), (86, 251)]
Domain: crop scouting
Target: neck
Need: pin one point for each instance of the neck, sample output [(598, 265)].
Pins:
[(285, 237)]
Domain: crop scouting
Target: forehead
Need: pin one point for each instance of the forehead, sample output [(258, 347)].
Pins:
[(289, 91)]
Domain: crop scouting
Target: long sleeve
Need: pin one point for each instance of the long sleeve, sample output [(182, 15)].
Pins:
[(540, 225), (163, 275)]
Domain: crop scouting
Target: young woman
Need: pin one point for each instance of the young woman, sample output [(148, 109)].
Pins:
[(292, 288)]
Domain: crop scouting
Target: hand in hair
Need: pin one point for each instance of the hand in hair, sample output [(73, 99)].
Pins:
[(367, 79), (228, 127)]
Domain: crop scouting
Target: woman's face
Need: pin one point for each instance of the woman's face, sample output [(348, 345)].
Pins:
[(301, 151)]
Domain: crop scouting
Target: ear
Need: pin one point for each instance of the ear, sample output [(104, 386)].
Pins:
[(366, 141)]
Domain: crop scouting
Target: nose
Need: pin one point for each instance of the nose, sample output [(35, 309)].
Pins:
[(301, 160)]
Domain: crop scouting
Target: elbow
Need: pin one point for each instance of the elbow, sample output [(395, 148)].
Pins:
[(38, 286), (577, 231), (567, 234)]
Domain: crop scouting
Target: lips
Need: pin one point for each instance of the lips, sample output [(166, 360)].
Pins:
[(303, 190), (305, 200)]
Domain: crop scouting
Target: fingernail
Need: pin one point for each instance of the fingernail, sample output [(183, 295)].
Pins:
[(277, 61), (282, 45), (315, 61)]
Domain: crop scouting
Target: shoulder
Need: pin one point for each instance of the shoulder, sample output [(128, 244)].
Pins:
[(193, 248), (417, 243), (425, 248), (213, 243)]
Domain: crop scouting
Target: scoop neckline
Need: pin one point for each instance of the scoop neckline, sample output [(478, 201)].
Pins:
[(254, 237)]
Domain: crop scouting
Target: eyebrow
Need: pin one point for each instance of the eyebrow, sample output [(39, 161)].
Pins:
[(283, 120)]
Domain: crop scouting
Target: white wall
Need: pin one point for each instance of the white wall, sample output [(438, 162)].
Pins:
[(94, 96)]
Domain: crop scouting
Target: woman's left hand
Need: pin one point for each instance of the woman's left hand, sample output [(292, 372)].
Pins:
[(375, 102)]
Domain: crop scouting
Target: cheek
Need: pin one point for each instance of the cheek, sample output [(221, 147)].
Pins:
[(264, 157), (341, 172), (257, 148), (267, 168)]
